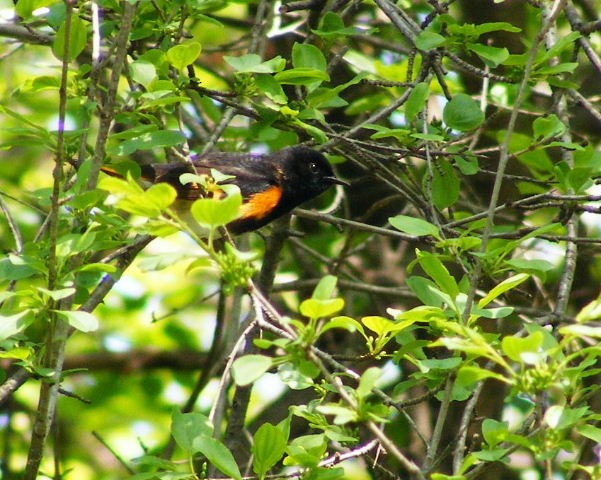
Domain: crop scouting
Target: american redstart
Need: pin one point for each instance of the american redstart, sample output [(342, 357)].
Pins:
[(271, 185)]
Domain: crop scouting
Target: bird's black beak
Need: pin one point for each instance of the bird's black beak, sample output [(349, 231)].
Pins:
[(337, 181)]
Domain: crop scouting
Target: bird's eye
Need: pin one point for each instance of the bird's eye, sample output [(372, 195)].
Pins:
[(313, 168)]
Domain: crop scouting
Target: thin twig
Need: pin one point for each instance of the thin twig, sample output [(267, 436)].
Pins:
[(57, 332)]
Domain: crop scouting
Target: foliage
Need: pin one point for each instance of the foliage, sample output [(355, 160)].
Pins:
[(436, 320)]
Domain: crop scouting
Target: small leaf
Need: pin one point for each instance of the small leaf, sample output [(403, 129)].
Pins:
[(143, 72), (180, 56), (218, 455), (471, 374), (313, 308), (590, 312), (325, 288), (519, 349), (271, 87), (436, 270), (308, 56), (150, 140), (269, 446), (253, 63), (428, 40), (249, 368), (463, 113), (215, 212), (590, 431), (467, 164), (77, 39), (302, 76), (416, 101), (494, 432), (379, 325), (445, 185), (506, 285), (57, 294), (414, 226), (491, 56), (151, 203), (347, 323), (80, 320), (427, 291), (547, 127), (368, 382), (185, 427), (12, 324)]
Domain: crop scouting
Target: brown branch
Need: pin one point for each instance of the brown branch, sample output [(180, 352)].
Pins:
[(25, 34), (136, 360)]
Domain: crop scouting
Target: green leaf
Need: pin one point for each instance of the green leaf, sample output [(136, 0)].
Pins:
[(332, 25), (580, 331), (417, 100), (143, 72), (467, 164), (427, 292), (533, 266), (445, 185), (325, 288), (590, 312), (57, 294), (80, 320), (271, 87), (150, 203), (523, 350), (506, 285), (471, 374), (15, 271), (253, 63), (269, 446), (368, 382), (379, 325), (499, 312), (342, 415), (567, 67), (428, 40), (24, 8), (185, 427), (77, 39), (463, 113), (302, 76), (305, 55), (307, 450), (347, 323), (180, 56), (590, 431), (314, 308), (494, 432), (149, 141), (414, 226), (491, 56), (436, 270), (296, 379), (547, 127), (12, 324), (249, 368), (215, 212), (218, 455), (496, 26)]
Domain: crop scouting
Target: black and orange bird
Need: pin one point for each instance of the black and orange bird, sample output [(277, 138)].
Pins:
[(271, 185)]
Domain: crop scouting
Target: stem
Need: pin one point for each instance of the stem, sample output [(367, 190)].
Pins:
[(56, 335), (504, 152), (107, 113)]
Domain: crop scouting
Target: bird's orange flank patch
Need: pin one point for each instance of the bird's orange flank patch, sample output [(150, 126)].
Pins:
[(261, 204)]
